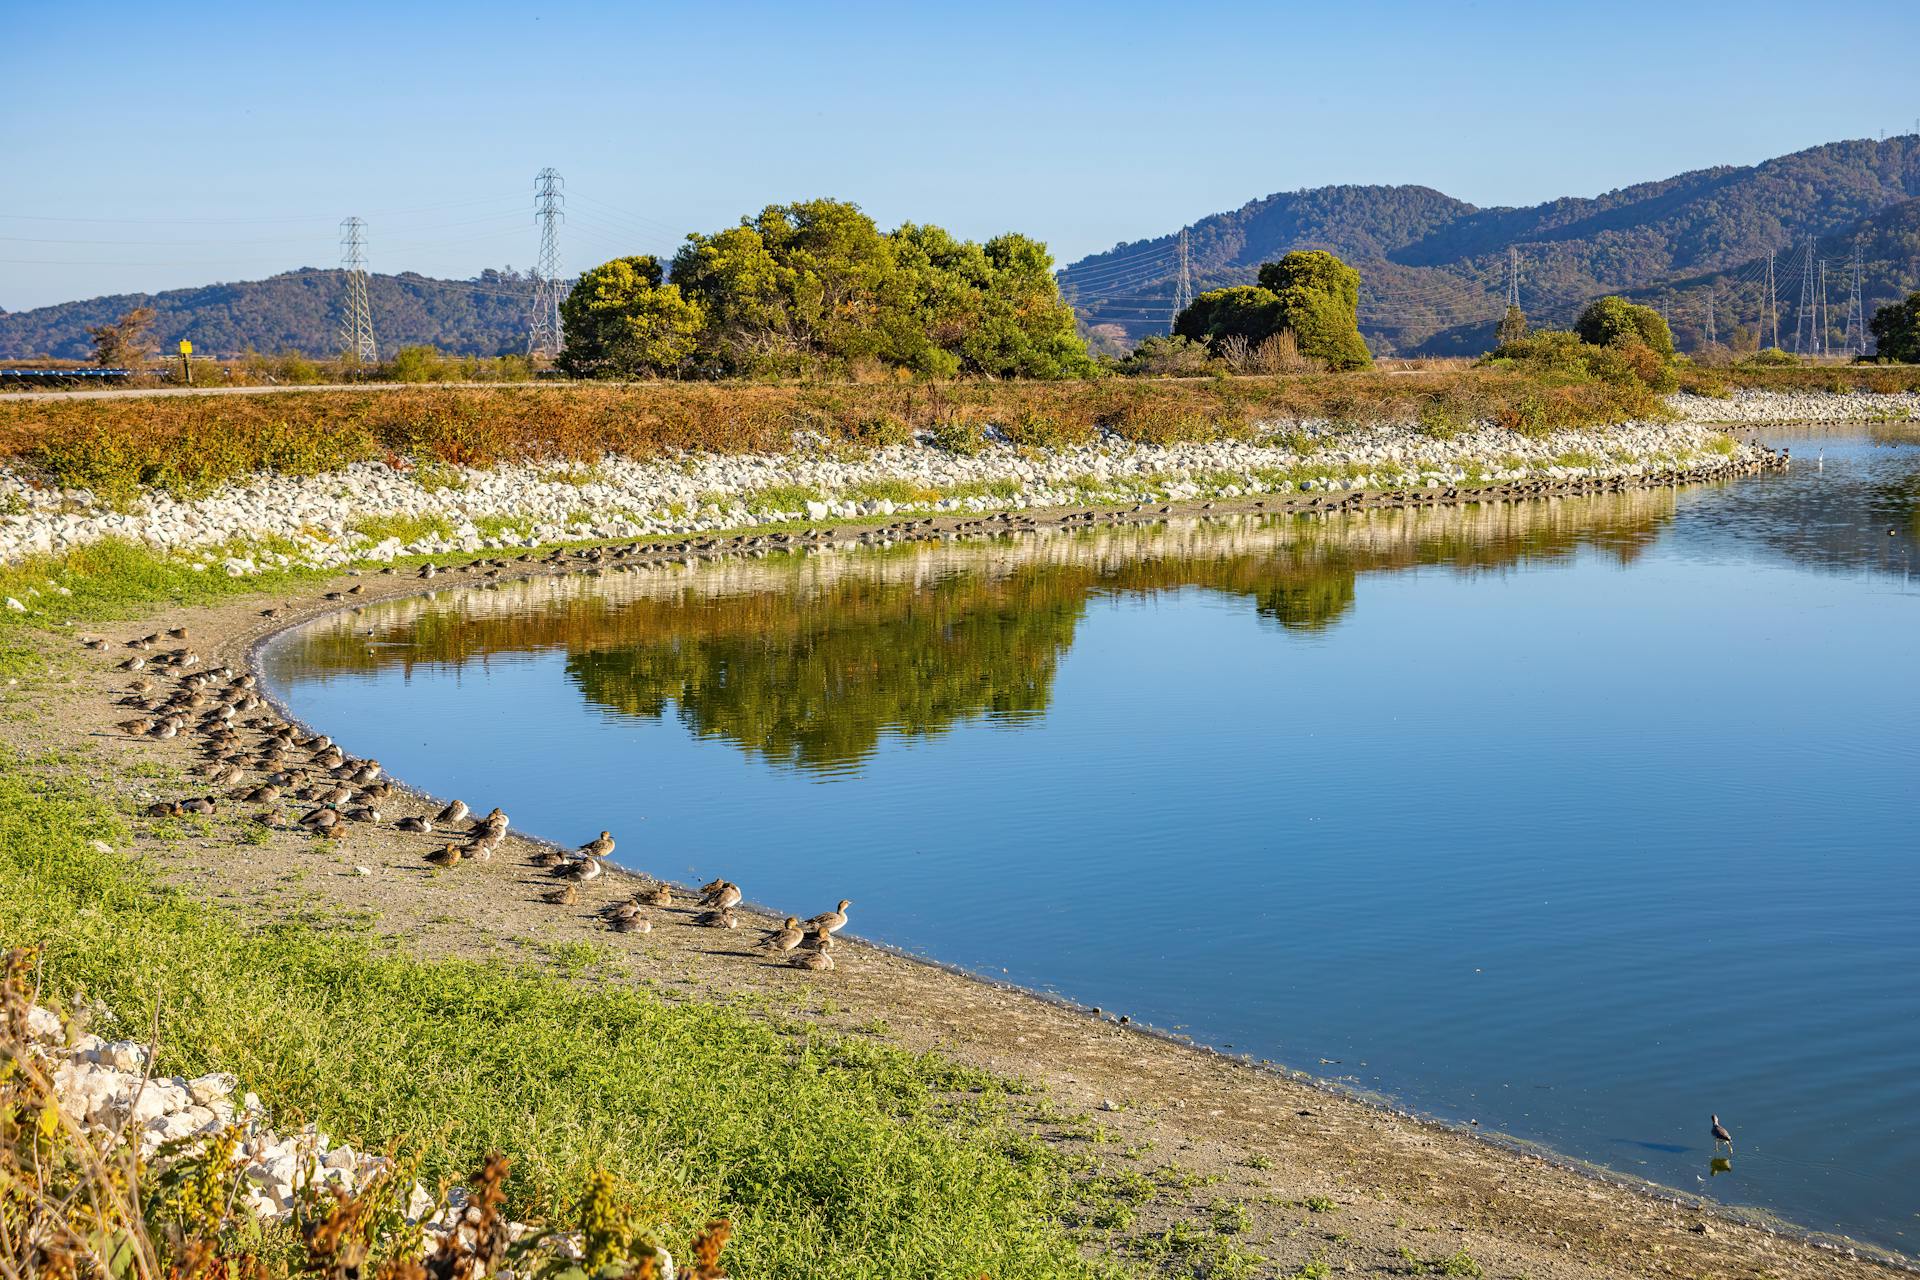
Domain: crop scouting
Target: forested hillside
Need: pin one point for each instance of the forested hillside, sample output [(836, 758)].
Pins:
[(1434, 269), (295, 311)]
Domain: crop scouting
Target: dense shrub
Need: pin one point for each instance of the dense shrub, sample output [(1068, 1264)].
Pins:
[(621, 321), (1310, 295), (1896, 330), (1613, 322), (1319, 300), (816, 287)]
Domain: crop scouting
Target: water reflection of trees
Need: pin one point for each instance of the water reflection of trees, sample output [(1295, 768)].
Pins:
[(807, 661)]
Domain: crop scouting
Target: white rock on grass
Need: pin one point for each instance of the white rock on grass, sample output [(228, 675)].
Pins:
[(312, 519)]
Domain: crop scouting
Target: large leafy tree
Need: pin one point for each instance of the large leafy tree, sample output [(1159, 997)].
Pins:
[(816, 285), (621, 321), (1319, 301), (1615, 322), (1246, 311), (1309, 293), (1896, 330)]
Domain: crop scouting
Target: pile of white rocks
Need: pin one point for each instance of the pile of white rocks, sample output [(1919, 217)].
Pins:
[(312, 520), (1748, 406), (106, 1088)]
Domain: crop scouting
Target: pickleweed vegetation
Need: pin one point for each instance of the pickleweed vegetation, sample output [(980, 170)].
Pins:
[(119, 448)]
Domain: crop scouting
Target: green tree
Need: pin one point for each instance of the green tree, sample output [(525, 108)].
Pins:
[(1613, 322), (1896, 330), (126, 343), (620, 321), (1319, 302), (1513, 327), (1246, 311)]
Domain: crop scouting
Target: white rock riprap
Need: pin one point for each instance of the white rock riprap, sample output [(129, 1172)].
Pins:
[(363, 512), (1750, 406), (104, 1086)]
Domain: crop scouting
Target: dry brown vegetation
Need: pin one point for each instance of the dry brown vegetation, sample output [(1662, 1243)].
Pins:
[(117, 446)]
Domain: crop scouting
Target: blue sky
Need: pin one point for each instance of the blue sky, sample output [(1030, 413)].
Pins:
[(164, 147)]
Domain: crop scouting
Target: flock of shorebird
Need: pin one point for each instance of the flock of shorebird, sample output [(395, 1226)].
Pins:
[(259, 759)]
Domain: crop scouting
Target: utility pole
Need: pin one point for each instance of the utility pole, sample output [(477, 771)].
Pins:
[(1183, 285), (356, 323), (543, 326), (1855, 340), (1513, 276)]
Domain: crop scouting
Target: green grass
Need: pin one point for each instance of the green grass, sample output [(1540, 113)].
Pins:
[(494, 527), (407, 528), (1000, 490), (116, 577), (898, 492), (821, 1147), (776, 497)]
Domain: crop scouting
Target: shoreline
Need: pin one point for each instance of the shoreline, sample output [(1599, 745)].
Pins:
[(1086, 1059)]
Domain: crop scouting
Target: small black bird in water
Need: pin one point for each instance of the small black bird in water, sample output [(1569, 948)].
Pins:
[(1721, 1135)]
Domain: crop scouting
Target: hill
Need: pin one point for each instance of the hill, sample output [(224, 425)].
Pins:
[(1434, 268), (294, 311)]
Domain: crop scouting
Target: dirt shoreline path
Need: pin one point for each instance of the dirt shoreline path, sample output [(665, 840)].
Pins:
[(1405, 1194)]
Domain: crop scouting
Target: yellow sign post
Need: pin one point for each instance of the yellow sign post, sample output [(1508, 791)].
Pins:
[(186, 362)]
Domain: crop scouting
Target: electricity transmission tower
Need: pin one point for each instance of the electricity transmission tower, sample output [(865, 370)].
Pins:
[(1822, 316), (1713, 299), (543, 327), (1513, 277), (1183, 285), (356, 321), (1770, 305), (1855, 340), (1800, 313)]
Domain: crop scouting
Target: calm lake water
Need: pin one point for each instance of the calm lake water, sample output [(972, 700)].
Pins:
[(1579, 819)]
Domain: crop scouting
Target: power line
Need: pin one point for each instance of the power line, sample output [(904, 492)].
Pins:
[(543, 328), (1183, 286), (1855, 340), (356, 325)]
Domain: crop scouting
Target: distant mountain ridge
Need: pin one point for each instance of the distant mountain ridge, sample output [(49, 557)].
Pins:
[(294, 311), (1434, 269)]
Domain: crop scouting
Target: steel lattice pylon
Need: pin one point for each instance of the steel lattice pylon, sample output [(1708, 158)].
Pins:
[(356, 320), (543, 327)]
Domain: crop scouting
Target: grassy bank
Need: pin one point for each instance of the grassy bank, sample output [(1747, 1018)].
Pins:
[(824, 1149), (192, 444), (1806, 379)]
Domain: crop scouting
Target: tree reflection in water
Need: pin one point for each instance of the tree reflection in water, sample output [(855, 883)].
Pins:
[(807, 660)]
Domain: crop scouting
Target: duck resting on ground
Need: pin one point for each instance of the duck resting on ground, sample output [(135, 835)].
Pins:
[(785, 938), (599, 847), (447, 855), (718, 918), (720, 895), (455, 812), (814, 961)]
